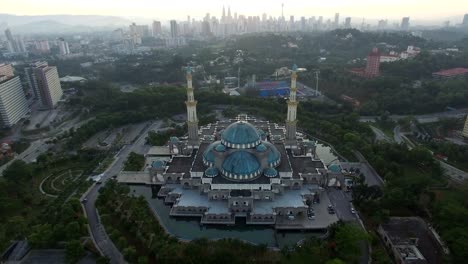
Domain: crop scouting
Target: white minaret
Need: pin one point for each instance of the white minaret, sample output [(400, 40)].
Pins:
[(291, 120), (192, 120)]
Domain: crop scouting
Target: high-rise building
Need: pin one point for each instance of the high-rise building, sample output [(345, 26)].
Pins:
[(157, 30), (405, 23), (465, 129), (49, 87), (32, 80), (6, 70), (465, 20), (174, 29), (14, 44), (63, 46), (337, 19), (373, 63), (42, 46), (348, 22), (13, 104)]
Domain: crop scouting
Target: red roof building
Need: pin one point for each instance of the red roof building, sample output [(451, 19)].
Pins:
[(372, 67)]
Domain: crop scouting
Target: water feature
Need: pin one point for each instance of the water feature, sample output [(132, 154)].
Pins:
[(190, 228)]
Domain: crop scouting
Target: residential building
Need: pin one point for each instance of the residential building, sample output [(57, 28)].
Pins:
[(42, 46), (465, 20), (63, 46), (31, 79), (174, 29), (49, 85), (373, 63), (348, 22), (14, 44), (13, 104), (6, 70)]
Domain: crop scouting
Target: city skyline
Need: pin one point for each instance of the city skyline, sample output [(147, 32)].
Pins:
[(417, 9)]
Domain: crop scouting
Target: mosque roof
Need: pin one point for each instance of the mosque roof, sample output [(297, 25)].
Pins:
[(241, 163), (208, 155), (240, 134)]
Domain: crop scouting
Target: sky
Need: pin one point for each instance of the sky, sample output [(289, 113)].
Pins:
[(179, 9)]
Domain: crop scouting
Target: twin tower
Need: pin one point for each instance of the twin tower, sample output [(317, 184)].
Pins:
[(192, 120)]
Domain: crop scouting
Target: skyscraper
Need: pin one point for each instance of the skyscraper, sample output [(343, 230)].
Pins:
[(13, 104), (405, 23), (373, 63), (348, 22), (465, 20), (174, 29), (49, 87), (157, 30), (14, 44), (337, 19)]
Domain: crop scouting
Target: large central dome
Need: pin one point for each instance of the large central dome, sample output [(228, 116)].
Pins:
[(240, 135)]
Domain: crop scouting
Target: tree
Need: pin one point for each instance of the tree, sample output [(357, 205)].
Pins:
[(73, 251), (348, 239)]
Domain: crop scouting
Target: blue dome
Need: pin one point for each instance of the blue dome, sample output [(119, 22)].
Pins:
[(261, 148), (270, 172), (334, 168), (211, 172), (241, 165), (274, 155), (220, 148), (208, 155), (158, 164), (240, 135)]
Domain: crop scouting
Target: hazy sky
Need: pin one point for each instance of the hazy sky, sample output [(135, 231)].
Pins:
[(166, 9)]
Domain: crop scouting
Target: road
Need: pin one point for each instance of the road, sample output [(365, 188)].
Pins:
[(397, 135), (97, 230), (30, 154), (428, 118), (380, 135)]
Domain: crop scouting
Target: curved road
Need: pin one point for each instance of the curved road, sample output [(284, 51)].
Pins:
[(102, 240)]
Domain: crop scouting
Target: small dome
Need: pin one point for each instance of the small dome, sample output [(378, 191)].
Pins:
[(220, 148), (270, 172), (211, 172), (208, 155), (274, 155), (158, 164), (261, 148), (240, 135), (334, 168), (241, 165), (174, 140)]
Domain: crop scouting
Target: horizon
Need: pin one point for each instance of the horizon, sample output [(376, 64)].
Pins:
[(417, 10)]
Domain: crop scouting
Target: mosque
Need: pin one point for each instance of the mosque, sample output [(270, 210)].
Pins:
[(244, 168)]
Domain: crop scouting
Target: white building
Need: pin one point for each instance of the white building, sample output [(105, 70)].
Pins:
[(13, 104), (63, 46), (49, 86)]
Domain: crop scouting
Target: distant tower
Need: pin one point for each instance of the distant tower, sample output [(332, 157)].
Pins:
[(465, 130), (405, 23), (282, 11), (291, 120), (192, 120), (373, 63)]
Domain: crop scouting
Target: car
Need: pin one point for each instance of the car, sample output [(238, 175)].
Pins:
[(114, 176), (84, 200), (353, 211)]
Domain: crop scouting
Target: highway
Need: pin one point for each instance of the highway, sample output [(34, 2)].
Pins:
[(97, 230), (427, 118), (380, 135), (30, 154)]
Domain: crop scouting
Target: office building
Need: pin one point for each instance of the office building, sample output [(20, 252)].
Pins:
[(13, 104), (337, 20), (14, 44), (48, 83), (42, 46), (6, 70), (405, 23), (174, 29), (157, 30), (63, 46)]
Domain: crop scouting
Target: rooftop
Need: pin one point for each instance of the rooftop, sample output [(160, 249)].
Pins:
[(451, 72)]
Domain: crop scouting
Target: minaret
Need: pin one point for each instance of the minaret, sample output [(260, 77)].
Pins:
[(192, 120), (291, 120)]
